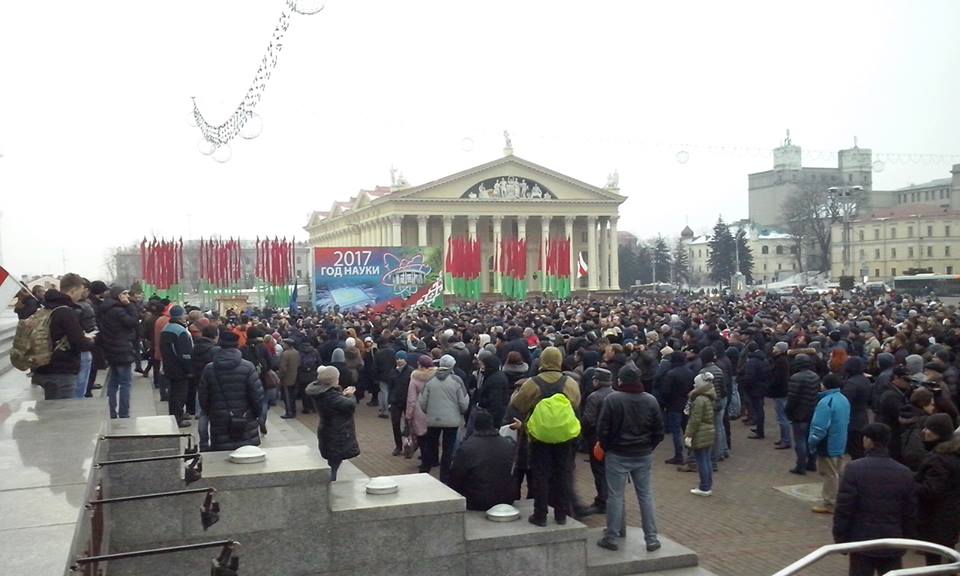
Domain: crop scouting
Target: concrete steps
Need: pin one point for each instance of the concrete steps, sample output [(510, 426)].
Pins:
[(633, 558)]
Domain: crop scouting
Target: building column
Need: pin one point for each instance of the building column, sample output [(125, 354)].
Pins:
[(522, 235), (472, 226), (604, 267), (544, 236), (497, 239), (614, 255), (568, 234), (396, 234), (384, 232), (422, 230), (593, 264), (447, 232)]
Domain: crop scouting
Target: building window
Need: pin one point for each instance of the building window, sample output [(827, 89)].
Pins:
[(299, 259), (909, 231), (893, 252), (793, 250), (779, 250), (893, 233), (691, 252), (863, 254), (779, 266), (765, 250), (946, 250), (893, 271), (929, 231), (876, 253), (700, 253), (876, 272), (946, 230), (929, 251), (764, 266), (910, 252), (876, 233), (949, 269), (860, 235)]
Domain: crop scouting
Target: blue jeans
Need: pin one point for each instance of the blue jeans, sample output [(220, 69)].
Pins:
[(800, 431), (675, 428), (780, 406), (617, 468), (269, 396), (86, 360), (204, 430), (720, 438), (383, 398), (118, 378), (704, 468)]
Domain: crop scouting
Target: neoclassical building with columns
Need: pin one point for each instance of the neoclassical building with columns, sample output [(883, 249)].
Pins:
[(506, 198)]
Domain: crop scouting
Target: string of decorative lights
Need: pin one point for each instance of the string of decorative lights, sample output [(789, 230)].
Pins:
[(215, 138)]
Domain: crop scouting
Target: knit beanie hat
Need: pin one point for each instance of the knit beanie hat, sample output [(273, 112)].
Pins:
[(447, 361), (425, 362), (176, 311), (338, 355), (116, 290), (328, 375), (914, 363)]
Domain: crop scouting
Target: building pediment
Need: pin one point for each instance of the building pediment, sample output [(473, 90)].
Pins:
[(508, 179)]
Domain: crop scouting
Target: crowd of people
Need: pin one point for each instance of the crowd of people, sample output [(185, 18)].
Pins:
[(493, 395)]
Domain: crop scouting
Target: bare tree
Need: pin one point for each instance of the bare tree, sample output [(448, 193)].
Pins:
[(110, 264), (810, 214)]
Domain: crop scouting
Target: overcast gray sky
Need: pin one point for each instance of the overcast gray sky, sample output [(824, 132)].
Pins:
[(97, 151)]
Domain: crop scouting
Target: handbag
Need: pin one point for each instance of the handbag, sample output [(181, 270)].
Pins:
[(237, 418), (270, 379)]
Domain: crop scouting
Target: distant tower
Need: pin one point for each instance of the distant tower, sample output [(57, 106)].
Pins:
[(856, 166), (686, 234), (787, 156)]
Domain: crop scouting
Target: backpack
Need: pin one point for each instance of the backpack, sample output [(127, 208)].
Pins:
[(553, 420), (32, 343)]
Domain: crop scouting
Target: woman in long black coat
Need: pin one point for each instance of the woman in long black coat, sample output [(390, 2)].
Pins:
[(938, 486), (336, 432)]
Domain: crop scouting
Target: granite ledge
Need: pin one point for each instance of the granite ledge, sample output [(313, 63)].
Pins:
[(285, 465), (482, 535), (418, 495)]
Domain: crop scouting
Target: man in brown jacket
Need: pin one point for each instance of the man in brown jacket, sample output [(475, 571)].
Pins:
[(289, 366)]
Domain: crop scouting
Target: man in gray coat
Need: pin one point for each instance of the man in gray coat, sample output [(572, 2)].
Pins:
[(444, 400)]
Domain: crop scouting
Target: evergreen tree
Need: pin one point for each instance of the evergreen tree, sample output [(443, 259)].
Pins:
[(630, 266), (662, 260), (681, 264), (746, 256), (722, 254), (645, 262)]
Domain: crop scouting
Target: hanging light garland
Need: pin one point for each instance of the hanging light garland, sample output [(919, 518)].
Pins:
[(215, 138)]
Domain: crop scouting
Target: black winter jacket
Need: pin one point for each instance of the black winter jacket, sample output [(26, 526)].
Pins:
[(858, 391), (118, 329), (88, 315), (938, 491), (231, 384), (779, 377), (802, 395), (203, 351), (630, 424), (494, 394), (889, 406), (64, 323), (176, 348), (481, 470), (591, 414), (336, 433), (399, 385), (677, 384), (876, 499), (913, 451), (756, 375)]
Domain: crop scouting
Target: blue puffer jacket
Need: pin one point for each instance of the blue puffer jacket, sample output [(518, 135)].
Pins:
[(831, 420)]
